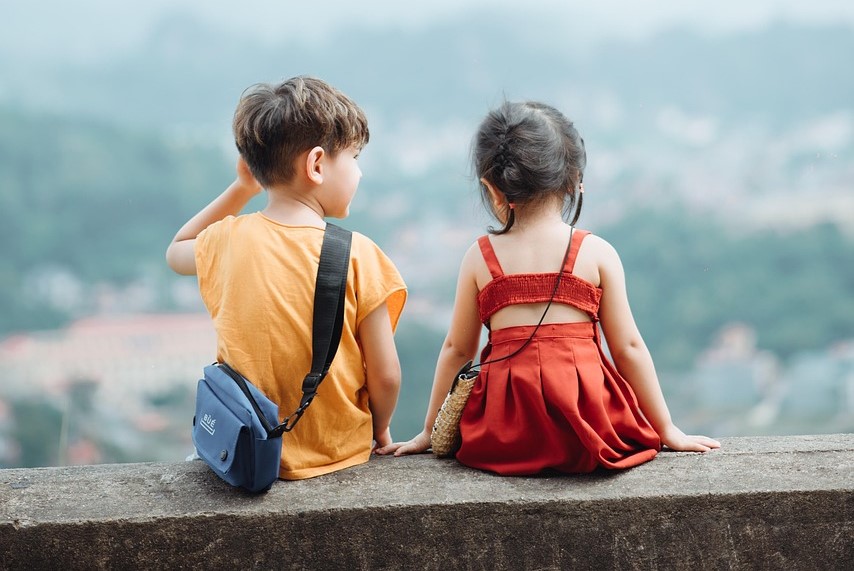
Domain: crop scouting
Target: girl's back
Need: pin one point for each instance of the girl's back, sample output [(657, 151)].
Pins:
[(539, 250), (546, 396)]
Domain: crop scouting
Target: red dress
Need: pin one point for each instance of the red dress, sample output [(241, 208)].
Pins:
[(560, 403)]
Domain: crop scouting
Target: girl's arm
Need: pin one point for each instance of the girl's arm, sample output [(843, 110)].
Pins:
[(180, 254), (382, 371), (631, 356), (460, 346)]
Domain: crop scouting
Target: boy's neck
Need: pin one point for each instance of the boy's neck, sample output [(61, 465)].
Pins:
[(294, 208)]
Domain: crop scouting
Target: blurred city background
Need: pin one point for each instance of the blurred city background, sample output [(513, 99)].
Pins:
[(720, 140)]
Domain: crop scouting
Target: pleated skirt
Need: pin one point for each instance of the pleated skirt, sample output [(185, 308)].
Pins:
[(559, 404)]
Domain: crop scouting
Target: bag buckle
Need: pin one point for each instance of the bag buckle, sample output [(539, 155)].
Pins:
[(290, 421), (309, 391)]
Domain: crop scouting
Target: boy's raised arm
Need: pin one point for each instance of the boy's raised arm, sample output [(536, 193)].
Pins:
[(180, 254)]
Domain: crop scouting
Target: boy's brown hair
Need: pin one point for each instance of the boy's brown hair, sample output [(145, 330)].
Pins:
[(274, 124)]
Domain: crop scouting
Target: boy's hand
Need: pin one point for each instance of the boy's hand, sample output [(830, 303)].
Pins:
[(382, 439), (246, 179), (420, 443)]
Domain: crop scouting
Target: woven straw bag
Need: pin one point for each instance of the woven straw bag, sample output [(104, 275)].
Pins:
[(445, 436)]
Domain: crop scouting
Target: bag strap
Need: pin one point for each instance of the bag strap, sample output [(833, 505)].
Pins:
[(327, 323)]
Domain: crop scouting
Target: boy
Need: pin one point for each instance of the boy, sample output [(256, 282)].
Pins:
[(299, 140)]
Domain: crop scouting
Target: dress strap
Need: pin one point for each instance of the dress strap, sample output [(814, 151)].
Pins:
[(577, 237), (489, 257)]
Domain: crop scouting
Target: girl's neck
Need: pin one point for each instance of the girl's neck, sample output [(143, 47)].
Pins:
[(535, 218)]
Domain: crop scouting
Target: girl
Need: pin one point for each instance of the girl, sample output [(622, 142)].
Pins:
[(546, 397)]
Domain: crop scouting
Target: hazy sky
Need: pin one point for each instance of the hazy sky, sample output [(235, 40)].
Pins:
[(96, 28)]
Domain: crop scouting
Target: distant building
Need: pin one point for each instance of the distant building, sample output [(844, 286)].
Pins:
[(123, 385), (125, 356)]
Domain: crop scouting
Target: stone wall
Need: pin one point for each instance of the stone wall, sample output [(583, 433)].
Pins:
[(758, 503)]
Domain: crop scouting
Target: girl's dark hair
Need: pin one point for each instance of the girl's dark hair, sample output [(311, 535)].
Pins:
[(530, 151)]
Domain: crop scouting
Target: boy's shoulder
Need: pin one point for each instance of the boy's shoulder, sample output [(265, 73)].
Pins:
[(364, 247), (362, 243), (214, 233), (368, 257), (223, 225)]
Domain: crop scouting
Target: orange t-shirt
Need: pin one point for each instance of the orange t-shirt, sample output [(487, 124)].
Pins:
[(257, 280)]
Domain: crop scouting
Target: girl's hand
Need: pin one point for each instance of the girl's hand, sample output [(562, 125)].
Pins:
[(675, 439), (246, 179), (419, 444)]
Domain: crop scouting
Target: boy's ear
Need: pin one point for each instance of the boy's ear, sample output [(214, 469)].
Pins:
[(314, 165)]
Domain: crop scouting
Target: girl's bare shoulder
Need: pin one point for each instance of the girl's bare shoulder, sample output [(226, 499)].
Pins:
[(599, 247), (473, 265), (597, 260)]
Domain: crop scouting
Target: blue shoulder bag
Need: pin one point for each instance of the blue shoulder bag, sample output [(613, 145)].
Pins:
[(232, 428)]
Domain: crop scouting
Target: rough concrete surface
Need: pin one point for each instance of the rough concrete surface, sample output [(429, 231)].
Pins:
[(758, 503)]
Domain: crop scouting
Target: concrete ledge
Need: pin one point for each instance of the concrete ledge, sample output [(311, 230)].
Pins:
[(758, 503)]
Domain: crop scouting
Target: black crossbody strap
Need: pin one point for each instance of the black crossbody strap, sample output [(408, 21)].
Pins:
[(328, 320), (470, 371)]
